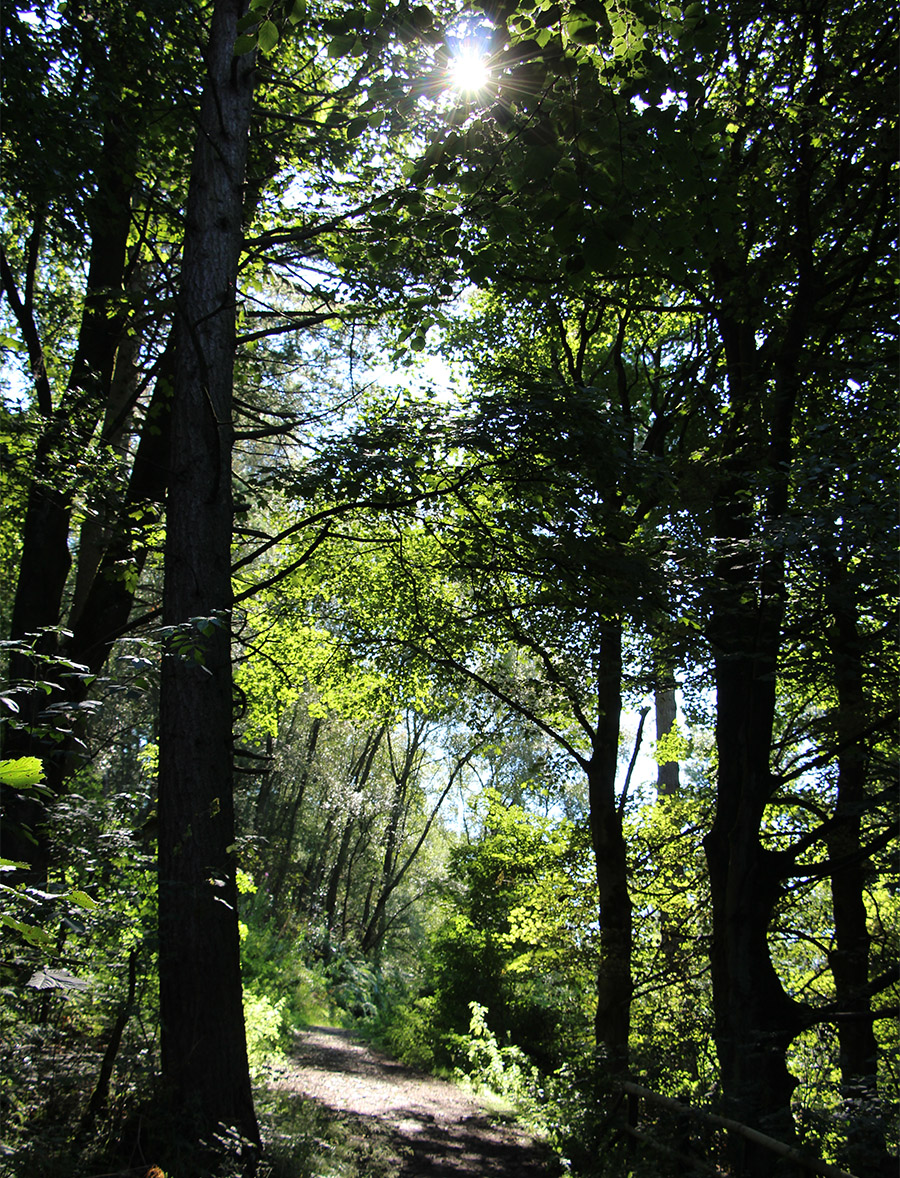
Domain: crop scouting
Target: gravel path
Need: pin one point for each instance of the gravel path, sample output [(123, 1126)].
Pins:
[(433, 1129)]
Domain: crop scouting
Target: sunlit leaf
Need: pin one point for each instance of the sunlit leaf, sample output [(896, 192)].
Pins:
[(268, 36), (83, 900), (22, 772), (56, 979)]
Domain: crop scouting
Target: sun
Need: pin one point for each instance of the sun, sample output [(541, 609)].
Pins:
[(469, 70)]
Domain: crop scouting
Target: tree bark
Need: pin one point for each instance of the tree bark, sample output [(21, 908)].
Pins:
[(46, 560), (755, 1020), (849, 961), (203, 1048), (667, 776), (614, 980)]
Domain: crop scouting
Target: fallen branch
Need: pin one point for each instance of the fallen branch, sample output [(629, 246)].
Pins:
[(694, 1163), (816, 1165)]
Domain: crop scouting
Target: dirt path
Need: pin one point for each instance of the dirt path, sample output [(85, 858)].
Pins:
[(426, 1128)]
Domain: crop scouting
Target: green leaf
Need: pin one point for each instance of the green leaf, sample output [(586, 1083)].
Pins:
[(342, 46), (22, 772), (32, 934), (245, 44), (673, 746), (356, 126), (83, 900), (583, 32), (268, 36)]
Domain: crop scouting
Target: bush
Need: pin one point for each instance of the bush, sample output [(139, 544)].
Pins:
[(278, 962), (504, 1071), (265, 1028), (408, 1030), (354, 986)]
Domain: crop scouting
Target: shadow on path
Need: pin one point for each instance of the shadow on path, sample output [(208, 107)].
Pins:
[(433, 1129)]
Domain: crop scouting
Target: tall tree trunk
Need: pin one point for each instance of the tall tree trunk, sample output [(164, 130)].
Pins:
[(203, 1048), (44, 566), (858, 1048), (667, 777), (614, 981), (108, 601), (334, 881), (376, 926), (755, 1019), (285, 858), (306, 897)]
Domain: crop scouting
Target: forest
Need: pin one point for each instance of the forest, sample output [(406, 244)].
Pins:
[(448, 575)]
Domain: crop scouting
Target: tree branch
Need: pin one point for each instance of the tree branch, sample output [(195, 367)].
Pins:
[(833, 866), (634, 756), (24, 314)]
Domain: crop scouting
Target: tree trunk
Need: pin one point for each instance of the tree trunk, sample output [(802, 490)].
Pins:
[(334, 881), (614, 981), (858, 1048), (203, 1048), (284, 859), (667, 779), (46, 559), (755, 1019), (306, 894), (109, 599), (376, 925)]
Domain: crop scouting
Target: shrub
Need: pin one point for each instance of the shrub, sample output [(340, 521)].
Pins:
[(504, 1071), (264, 1025)]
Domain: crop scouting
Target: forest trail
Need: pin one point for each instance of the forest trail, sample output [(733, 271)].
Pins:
[(422, 1127)]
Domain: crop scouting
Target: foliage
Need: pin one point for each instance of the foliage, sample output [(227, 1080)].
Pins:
[(515, 934), (280, 968), (264, 1028), (672, 1011), (504, 1071), (407, 1027)]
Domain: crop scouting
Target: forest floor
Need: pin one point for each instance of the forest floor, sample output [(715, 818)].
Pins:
[(400, 1123)]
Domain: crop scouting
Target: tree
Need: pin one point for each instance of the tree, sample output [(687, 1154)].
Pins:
[(838, 671), (516, 937), (774, 350), (464, 581), (668, 460), (673, 171), (84, 201), (204, 1054)]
